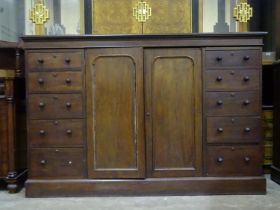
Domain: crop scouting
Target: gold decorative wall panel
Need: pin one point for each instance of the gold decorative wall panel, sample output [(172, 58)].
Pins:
[(169, 16), (114, 17), (139, 16)]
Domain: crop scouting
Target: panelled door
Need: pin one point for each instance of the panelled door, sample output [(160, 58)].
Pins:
[(141, 16), (115, 113), (173, 112)]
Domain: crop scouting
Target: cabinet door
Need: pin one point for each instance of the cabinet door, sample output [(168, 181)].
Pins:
[(173, 112), (114, 17), (115, 113), (169, 16)]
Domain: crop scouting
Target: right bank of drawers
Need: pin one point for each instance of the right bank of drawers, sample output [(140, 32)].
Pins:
[(56, 113), (232, 112)]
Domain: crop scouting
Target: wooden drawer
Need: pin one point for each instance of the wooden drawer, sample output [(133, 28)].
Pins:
[(215, 59), (232, 103), (233, 129), (57, 163), (234, 161), (52, 106), (232, 80), (54, 133), (55, 81), (54, 60)]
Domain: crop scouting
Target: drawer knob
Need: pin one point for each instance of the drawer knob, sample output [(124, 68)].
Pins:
[(247, 130), (220, 159), (70, 162), (68, 81), (69, 132), (40, 60), (220, 130), (246, 102), (68, 104), (219, 78), (43, 162), (67, 60), (41, 81), (246, 78), (42, 104), (247, 159), (219, 58), (246, 58), (42, 132), (220, 102)]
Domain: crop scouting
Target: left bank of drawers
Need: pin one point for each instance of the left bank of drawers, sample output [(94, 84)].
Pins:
[(55, 88)]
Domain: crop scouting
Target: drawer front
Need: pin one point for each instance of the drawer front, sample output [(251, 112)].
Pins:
[(50, 106), (232, 103), (56, 133), (232, 58), (233, 129), (234, 161), (57, 163), (55, 81), (232, 80), (54, 60)]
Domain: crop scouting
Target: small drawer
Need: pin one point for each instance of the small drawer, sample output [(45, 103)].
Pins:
[(57, 163), (234, 160), (233, 129), (56, 133), (232, 103), (232, 80), (55, 81), (53, 106), (216, 59), (54, 60)]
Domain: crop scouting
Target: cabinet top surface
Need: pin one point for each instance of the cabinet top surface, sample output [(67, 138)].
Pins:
[(145, 40)]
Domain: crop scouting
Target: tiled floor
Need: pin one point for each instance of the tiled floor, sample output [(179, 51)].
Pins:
[(271, 201)]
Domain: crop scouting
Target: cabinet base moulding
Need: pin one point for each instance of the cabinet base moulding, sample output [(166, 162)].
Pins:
[(145, 187)]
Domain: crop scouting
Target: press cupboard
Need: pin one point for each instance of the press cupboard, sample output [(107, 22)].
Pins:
[(169, 114)]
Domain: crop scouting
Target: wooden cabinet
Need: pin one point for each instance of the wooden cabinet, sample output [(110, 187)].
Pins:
[(119, 17), (13, 166), (144, 115), (275, 168)]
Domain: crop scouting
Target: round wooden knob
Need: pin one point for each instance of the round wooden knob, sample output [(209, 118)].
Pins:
[(220, 130), (68, 81), (246, 58), (246, 102), (247, 130), (68, 104), (246, 78), (43, 162), (42, 104), (42, 132), (40, 60), (247, 159), (220, 102), (219, 78), (41, 81), (69, 132), (67, 60), (220, 159), (219, 58)]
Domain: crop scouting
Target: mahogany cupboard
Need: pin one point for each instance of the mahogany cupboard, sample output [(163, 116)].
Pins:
[(13, 170), (144, 114)]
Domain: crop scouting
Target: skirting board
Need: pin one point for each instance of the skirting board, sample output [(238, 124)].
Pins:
[(146, 187)]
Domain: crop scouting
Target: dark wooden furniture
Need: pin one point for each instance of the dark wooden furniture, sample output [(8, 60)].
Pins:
[(144, 115), (13, 170), (275, 168)]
